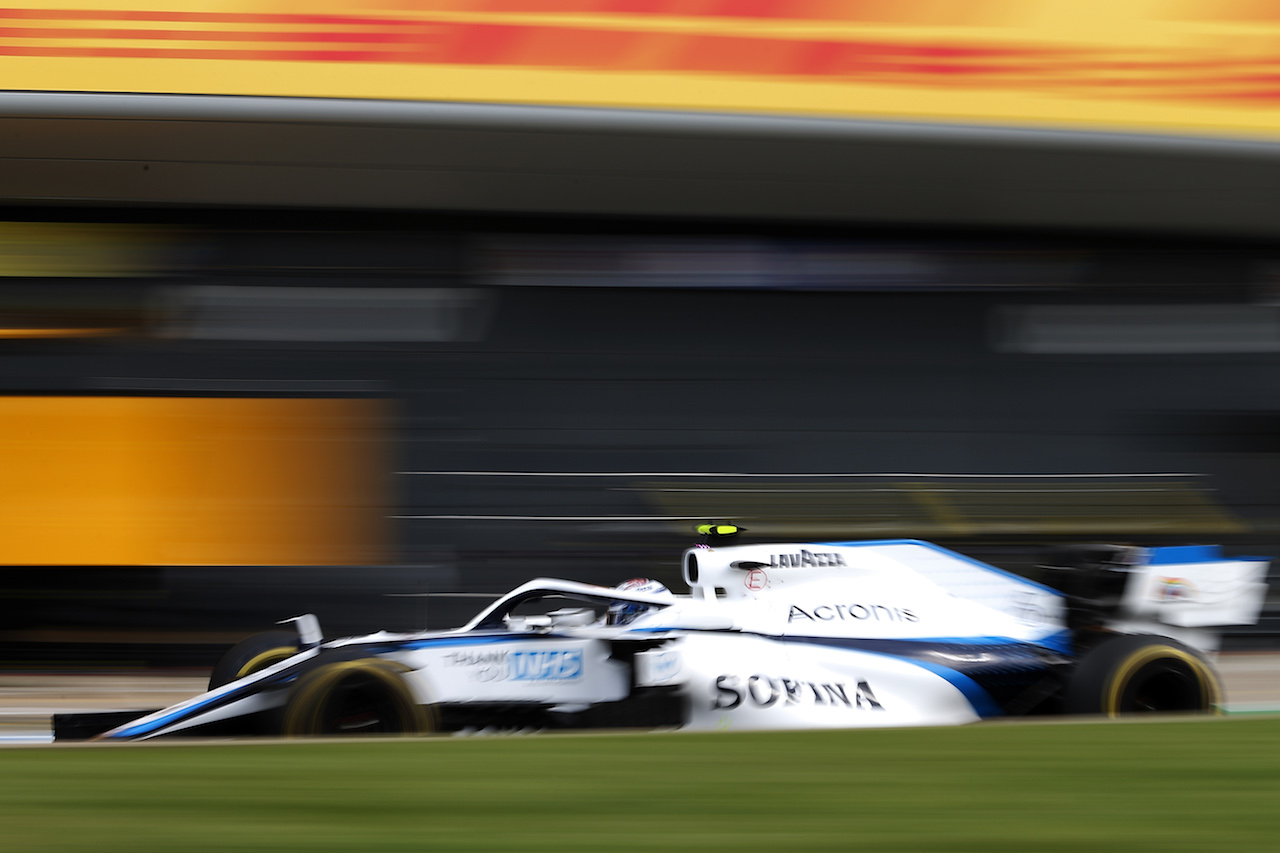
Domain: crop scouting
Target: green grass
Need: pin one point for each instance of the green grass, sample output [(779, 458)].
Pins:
[(1166, 786)]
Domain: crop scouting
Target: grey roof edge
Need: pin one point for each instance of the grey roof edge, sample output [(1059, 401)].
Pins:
[(372, 113)]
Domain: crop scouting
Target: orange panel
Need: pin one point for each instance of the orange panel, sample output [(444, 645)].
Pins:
[(170, 481), (1204, 66)]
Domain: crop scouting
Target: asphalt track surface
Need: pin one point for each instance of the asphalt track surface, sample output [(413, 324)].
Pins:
[(28, 701)]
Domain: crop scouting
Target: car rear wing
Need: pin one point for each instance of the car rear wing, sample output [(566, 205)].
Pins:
[(1186, 592)]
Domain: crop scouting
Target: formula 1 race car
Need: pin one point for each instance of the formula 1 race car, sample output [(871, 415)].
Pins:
[(771, 636)]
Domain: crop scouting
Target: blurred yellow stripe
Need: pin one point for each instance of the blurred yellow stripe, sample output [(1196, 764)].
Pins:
[(175, 481), (20, 334), (81, 250)]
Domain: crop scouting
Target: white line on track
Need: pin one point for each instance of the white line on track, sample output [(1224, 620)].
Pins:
[(782, 474), (26, 738), (551, 517)]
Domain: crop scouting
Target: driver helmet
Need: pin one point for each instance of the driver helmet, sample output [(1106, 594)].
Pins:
[(626, 612)]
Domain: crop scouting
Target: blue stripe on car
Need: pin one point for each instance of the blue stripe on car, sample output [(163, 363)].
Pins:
[(983, 704), (1058, 641), (208, 704), (474, 641), (1175, 554), (972, 668), (979, 699), (219, 700)]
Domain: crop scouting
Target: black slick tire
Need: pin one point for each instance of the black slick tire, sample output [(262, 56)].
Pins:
[(253, 654), (368, 696), (1142, 673)]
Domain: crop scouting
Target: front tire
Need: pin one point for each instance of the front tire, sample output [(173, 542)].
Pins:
[(357, 697), (253, 654), (1138, 673)]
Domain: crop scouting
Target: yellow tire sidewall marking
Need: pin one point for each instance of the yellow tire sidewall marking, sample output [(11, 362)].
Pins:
[(307, 707), (266, 659), (1124, 673)]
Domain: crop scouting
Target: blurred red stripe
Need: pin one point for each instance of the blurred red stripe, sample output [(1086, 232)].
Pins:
[(923, 12), (336, 39), (411, 34), (197, 17)]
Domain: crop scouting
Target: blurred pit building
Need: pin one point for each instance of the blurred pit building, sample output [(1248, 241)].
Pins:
[(373, 308)]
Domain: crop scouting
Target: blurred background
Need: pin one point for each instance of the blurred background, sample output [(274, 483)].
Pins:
[(373, 309)]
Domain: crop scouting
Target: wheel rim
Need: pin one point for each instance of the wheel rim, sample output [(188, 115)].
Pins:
[(1167, 687), (360, 704), (1160, 679), (362, 697)]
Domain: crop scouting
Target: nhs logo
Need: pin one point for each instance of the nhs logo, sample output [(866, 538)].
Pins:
[(556, 665)]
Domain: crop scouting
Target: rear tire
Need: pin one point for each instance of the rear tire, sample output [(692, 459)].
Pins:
[(253, 654), (357, 697), (1136, 674)]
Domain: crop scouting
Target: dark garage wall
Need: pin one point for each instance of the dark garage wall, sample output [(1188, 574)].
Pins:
[(659, 392)]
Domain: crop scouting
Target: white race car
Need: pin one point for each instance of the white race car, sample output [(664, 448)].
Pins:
[(771, 636)]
